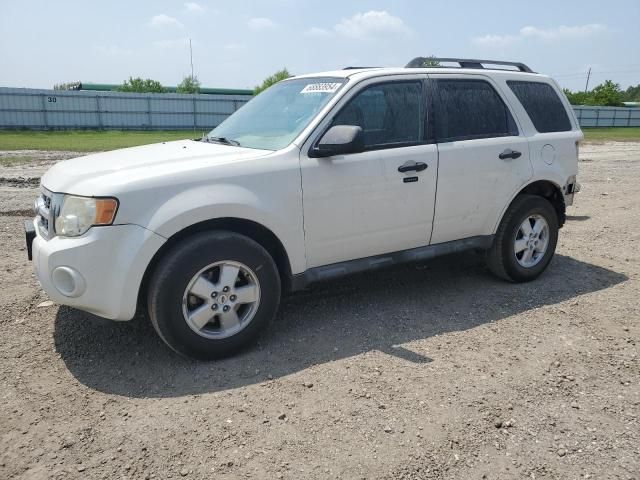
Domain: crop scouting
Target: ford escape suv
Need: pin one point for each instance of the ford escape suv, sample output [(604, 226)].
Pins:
[(319, 176)]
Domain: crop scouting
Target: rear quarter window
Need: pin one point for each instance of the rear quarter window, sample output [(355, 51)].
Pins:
[(542, 104)]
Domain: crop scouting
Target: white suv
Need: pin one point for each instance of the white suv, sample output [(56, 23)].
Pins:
[(320, 176)]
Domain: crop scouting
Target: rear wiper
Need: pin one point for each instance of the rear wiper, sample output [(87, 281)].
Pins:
[(224, 141)]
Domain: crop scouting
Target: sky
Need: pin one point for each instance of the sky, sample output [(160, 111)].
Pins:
[(236, 44)]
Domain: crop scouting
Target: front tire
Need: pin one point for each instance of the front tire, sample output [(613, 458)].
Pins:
[(525, 241), (212, 294)]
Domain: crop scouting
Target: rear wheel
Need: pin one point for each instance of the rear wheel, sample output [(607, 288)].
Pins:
[(525, 241), (213, 293)]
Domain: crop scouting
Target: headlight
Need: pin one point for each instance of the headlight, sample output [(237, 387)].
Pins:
[(79, 214)]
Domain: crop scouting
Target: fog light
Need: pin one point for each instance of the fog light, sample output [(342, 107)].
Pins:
[(68, 281)]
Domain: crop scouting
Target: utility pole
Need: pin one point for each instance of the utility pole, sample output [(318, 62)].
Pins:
[(195, 121), (586, 87), (191, 58)]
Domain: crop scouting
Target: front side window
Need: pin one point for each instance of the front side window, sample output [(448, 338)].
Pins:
[(273, 119), (470, 109), (390, 114), (546, 111)]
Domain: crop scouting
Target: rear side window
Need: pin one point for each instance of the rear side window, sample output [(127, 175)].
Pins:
[(544, 107), (390, 114), (470, 109)]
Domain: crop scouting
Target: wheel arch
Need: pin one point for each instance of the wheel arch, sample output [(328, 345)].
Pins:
[(546, 189), (253, 230)]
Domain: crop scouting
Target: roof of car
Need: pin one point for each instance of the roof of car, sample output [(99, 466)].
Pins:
[(367, 72), (446, 65)]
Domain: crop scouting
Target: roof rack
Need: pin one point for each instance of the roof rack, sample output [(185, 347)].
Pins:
[(418, 62)]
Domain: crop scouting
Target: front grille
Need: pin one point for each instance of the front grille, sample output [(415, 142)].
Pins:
[(44, 217)]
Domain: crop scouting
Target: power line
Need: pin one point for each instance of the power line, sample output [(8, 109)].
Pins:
[(604, 72)]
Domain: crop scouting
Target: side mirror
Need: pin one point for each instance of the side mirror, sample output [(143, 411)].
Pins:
[(339, 140)]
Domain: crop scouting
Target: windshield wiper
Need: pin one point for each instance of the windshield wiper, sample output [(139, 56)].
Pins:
[(224, 141)]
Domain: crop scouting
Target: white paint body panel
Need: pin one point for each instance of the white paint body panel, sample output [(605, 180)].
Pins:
[(357, 206), (322, 210)]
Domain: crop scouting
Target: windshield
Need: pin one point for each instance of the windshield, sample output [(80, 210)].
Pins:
[(274, 118)]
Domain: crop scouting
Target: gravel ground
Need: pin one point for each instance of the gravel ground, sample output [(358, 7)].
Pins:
[(431, 371)]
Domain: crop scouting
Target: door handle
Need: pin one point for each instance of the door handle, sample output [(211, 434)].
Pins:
[(412, 166), (508, 153)]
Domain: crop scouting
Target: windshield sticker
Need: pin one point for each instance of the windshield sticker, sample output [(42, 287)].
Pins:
[(321, 88)]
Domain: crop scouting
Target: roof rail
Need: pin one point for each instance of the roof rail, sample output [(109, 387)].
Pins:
[(357, 68), (418, 62)]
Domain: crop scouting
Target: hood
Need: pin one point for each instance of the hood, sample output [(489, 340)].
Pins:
[(109, 172)]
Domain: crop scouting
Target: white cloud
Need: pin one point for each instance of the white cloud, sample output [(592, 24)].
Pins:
[(260, 23), (163, 20), (372, 23), (194, 7), (536, 33), (317, 32)]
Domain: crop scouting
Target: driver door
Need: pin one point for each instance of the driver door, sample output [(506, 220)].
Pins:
[(360, 205)]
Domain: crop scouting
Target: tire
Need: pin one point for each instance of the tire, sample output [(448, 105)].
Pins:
[(195, 276), (525, 265)]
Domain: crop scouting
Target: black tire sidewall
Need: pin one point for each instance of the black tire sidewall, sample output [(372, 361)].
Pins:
[(178, 268), (533, 205)]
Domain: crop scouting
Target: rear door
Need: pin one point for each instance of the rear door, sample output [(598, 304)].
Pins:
[(483, 157)]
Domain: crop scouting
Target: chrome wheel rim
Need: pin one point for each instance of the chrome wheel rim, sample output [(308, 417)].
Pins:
[(532, 241), (221, 299)]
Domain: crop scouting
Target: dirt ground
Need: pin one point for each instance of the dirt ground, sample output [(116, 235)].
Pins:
[(431, 371)]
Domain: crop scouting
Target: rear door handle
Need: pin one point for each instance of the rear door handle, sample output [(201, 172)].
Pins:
[(508, 153), (412, 166)]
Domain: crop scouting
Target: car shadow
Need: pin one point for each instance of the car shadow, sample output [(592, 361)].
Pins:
[(375, 311)]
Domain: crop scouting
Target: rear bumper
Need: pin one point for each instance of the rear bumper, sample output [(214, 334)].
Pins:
[(99, 272), (570, 189)]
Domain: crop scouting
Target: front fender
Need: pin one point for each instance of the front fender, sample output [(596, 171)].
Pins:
[(281, 213)]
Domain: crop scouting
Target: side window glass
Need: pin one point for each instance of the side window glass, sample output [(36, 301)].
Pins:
[(470, 109), (544, 107), (390, 114)]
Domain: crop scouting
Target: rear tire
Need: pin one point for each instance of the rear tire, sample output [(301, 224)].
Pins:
[(525, 241), (212, 294)]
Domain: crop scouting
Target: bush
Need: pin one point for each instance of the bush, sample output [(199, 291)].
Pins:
[(138, 85), (189, 85)]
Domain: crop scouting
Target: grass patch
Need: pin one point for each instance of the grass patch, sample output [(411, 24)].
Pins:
[(12, 160), (620, 134), (86, 140)]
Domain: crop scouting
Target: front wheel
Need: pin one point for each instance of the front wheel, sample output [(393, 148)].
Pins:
[(525, 241), (212, 293)]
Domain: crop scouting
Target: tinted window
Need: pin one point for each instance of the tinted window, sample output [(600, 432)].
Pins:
[(542, 105), (390, 114), (471, 109)]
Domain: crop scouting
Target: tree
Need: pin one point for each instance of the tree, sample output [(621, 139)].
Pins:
[(631, 94), (577, 98), (607, 93), (430, 61), (67, 86), (139, 85), (272, 80), (189, 85)]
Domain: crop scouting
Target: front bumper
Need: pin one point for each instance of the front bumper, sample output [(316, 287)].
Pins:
[(99, 272)]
